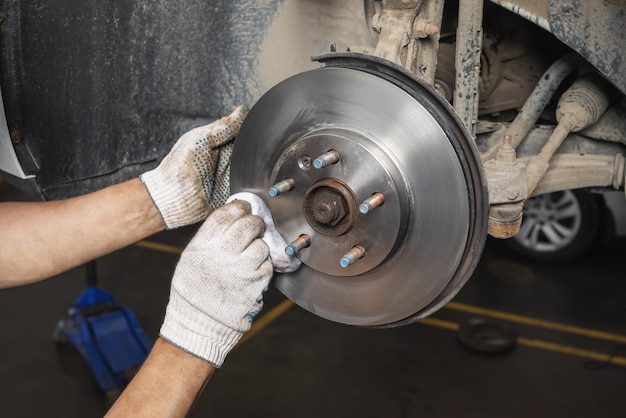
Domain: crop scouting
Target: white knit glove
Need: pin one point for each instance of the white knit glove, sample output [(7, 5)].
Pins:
[(218, 285), (194, 177)]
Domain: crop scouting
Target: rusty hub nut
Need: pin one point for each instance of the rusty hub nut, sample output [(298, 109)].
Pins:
[(330, 207)]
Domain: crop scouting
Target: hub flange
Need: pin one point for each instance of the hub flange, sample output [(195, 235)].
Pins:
[(358, 131)]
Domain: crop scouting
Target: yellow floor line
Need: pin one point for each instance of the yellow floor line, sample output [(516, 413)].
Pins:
[(451, 326), (258, 324), (150, 245), (587, 332), (544, 345), (572, 351), (265, 320)]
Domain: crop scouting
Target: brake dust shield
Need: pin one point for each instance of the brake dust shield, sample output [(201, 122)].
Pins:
[(377, 184)]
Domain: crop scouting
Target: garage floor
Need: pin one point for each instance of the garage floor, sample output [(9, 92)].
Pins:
[(298, 365)]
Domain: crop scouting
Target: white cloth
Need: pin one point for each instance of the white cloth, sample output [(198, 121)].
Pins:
[(282, 262)]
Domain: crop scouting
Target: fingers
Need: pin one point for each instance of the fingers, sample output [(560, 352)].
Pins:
[(225, 129), (221, 186), (221, 131), (217, 133), (234, 225), (222, 218), (242, 232), (257, 252), (235, 119), (283, 263)]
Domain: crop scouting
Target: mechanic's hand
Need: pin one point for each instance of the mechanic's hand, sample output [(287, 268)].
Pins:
[(218, 285), (194, 178), (282, 262)]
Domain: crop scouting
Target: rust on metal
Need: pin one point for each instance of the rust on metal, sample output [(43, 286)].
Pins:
[(330, 207)]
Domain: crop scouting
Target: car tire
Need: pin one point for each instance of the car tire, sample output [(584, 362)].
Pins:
[(558, 227)]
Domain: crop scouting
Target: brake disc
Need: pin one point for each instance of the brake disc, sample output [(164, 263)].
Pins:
[(375, 182)]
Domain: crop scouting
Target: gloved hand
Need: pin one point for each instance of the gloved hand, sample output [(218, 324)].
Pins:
[(218, 284), (282, 262), (194, 177)]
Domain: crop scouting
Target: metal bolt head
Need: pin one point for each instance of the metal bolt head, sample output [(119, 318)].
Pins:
[(513, 194), (329, 207), (305, 162), (326, 212), (423, 29), (16, 136)]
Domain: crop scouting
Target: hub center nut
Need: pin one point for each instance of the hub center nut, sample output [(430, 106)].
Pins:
[(330, 207)]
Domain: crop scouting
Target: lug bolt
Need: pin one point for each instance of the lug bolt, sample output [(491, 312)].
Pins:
[(324, 160), (282, 187), (352, 256), (512, 194), (303, 241), (372, 202)]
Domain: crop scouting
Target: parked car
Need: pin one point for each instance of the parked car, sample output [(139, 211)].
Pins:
[(562, 226)]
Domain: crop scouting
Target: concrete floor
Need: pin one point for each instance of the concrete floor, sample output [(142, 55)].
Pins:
[(303, 366)]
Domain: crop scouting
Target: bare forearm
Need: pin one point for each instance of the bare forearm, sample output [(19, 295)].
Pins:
[(40, 240), (167, 385)]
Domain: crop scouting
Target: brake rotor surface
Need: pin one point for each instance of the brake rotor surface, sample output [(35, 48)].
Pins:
[(333, 143)]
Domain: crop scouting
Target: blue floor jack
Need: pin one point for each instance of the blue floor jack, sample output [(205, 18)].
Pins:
[(106, 335)]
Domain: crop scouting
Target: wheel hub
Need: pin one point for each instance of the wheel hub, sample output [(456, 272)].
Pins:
[(329, 199), (330, 207), (374, 182)]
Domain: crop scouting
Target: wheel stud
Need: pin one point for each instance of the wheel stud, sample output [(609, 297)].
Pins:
[(371, 203), (303, 241), (281, 187), (324, 160), (352, 256)]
